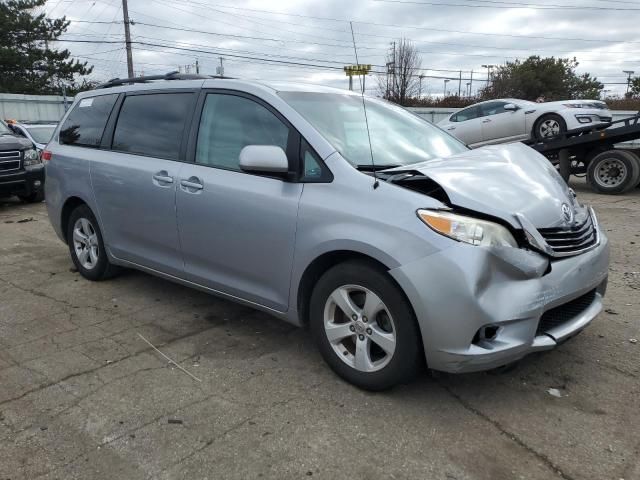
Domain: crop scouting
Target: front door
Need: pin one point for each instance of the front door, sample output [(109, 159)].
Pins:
[(500, 125), (237, 230), (135, 183)]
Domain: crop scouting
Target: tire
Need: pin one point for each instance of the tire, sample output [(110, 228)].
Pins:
[(613, 172), (549, 126), (34, 197), (83, 234), (355, 354)]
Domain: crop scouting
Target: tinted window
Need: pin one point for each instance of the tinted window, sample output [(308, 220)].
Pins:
[(85, 124), (152, 124), (492, 108), (466, 114), (229, 123), (311, 169)]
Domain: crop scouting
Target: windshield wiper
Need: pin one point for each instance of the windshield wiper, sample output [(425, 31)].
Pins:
[(367, 167)]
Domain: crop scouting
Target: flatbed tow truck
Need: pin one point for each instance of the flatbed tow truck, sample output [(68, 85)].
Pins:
[(599, 153)]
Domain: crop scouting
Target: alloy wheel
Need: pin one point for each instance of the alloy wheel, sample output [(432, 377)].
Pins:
[(549, 128), (359, 328), (85, 243)]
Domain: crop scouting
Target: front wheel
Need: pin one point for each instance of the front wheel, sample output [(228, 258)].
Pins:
[(549, 126), (364, 326)]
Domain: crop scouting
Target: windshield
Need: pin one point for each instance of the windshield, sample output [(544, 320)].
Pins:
[(397, 136), (41, 134), (4, 129)]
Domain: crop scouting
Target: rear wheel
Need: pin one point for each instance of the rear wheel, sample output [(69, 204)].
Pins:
[(364, 326), (86, 245), (549, 126), (614, 171)]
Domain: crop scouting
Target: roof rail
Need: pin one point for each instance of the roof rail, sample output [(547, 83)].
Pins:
[(167, 76)]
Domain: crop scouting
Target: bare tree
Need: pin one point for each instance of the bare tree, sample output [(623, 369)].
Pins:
[(401, 82)]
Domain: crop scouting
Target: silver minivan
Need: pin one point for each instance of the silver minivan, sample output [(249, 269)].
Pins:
[(393, 242)]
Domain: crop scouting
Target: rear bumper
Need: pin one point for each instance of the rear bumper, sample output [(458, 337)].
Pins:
[(458, 292), (23, 182)]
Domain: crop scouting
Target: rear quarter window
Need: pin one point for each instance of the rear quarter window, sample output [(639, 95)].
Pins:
[(85, 124)]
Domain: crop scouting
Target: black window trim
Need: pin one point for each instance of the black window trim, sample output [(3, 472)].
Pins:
[(107, 138), (294, 142)]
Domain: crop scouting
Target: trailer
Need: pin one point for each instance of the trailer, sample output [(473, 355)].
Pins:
[(599, 153)]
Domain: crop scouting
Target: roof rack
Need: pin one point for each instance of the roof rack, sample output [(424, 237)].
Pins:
[(167, 76)]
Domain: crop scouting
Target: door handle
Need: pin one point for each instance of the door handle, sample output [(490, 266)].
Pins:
[(162, 177), (451, 128), (486, 121), (193, 183)]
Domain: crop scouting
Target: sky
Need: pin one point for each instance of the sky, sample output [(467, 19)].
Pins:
[(311, 40)]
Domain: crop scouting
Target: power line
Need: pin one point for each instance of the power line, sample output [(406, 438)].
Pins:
[(510, 5)]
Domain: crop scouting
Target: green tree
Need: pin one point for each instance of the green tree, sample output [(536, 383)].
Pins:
[(550, 78), (29, 61), (634, 91)]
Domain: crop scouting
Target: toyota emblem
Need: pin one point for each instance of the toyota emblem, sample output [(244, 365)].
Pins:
[(567, 213)]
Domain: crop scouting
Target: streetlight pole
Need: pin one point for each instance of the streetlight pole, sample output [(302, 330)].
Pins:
[(629, 73), (420, 77), (488, 67)]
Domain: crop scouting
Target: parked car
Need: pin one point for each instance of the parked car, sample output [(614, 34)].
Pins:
[(21, 170), (511, 120), (408, 249), (38, 132)]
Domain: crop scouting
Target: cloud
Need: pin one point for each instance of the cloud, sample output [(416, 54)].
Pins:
[(310, 41)]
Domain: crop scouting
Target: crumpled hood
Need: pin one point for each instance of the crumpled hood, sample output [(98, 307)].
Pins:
[(13, 142), (502, 181)]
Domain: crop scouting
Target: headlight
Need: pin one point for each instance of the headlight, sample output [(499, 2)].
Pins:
[(577, 105), (31, 157), (468, 229)]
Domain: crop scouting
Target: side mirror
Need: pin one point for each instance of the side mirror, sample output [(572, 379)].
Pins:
[(510, 107), (263, 159)]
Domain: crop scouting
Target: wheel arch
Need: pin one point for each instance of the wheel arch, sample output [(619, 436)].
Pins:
[(69, 206), (321, 264)]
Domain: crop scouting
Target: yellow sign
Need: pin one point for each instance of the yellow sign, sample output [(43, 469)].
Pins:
[(351, 70)]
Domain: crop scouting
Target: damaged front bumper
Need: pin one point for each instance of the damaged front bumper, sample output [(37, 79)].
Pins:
[(482, 308)]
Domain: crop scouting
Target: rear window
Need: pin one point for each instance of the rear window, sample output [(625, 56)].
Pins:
[(152, 124), (85, 124)]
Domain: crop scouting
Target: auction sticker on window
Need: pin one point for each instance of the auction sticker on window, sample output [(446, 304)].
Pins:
[(86, 102)]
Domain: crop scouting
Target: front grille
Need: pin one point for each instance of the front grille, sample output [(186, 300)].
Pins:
[(565, 313), (9, 161), (567, 241)]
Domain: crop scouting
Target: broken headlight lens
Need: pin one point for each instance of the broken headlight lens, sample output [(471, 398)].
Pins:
[(468, 229)]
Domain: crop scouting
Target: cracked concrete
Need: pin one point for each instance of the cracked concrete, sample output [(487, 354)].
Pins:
[(81, 396)]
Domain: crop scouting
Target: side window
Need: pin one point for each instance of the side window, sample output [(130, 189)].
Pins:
[(229, 123), (467, 114), (152, 124), (492, 108), (85, 124), (311, 164)]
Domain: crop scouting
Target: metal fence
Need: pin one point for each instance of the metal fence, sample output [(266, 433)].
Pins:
[(33, 107)]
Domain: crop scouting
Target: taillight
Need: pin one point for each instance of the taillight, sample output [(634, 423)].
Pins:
[(46, 155)]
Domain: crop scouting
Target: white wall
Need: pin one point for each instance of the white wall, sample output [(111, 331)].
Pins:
[(32, 107)]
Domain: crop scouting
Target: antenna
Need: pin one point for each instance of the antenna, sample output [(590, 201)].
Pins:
[(364, 106)]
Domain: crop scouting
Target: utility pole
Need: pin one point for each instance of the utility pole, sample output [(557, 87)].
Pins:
[(629, 73), (468, 89), (471, 83), (220, 69), (460, 84), (127, 37), (420, 77), (446, 80), (393, 85), (197, 67)]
